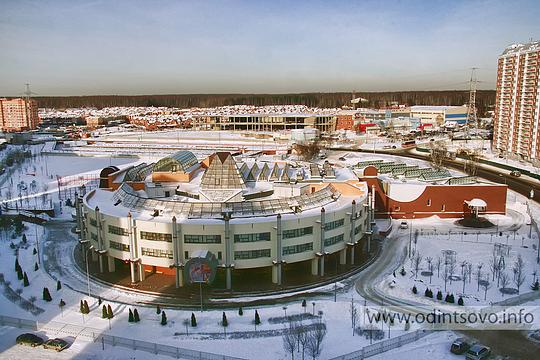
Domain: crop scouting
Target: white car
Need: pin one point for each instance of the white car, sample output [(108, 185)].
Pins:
[(403, 225)]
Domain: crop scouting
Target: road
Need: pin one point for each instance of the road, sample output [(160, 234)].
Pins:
[(510, 343)]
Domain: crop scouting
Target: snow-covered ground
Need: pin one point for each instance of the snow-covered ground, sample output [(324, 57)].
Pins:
[(243, 340)]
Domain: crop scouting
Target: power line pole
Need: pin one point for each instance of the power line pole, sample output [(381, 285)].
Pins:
[(471, 110)]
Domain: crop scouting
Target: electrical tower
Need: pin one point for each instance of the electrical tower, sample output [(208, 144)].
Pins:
[(472, 119)]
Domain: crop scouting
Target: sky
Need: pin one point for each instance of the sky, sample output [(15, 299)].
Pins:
[(76, 47)]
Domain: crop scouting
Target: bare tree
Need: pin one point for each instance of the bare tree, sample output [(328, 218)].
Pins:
[(494, 267), (464, 275), (486, 285), (354, 315), (519, 275), (504, 280), (308, 151), (315, 339), (289, 340), (417, 261), (429, 260), (438, 263), (438, 152)]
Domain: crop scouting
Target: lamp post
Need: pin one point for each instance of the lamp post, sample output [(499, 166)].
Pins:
[(87, 270)]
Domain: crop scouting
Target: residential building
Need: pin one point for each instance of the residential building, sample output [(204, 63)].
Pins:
[(18, 115), (517, 107)]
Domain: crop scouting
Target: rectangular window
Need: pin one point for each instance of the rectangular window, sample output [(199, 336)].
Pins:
[(240, 238), (333, 240), (93, 222), (118, 246), (118, 230), (157, 253), (202, 239), (294, 233), (186, 255), (219, 255), (145, 235), (443, 208), (428, 202), (295, 249), (334, 224), (251, 254), (358, 229)]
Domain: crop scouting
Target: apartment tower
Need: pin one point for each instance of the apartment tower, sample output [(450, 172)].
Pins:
[(18, 115), (516, 124)]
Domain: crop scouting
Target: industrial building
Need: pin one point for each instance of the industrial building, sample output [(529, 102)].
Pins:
[(439, 115), (517, 106), (18, 115)]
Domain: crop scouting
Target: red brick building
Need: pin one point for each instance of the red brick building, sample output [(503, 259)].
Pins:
[(414, 199), (18, 115)]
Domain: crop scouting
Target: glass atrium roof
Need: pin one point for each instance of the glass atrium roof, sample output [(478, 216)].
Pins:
[(179, 161)]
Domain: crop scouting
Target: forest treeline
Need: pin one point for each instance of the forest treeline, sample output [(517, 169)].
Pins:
[(484, 99)]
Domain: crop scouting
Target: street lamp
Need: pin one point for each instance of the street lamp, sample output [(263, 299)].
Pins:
[(87, 271)]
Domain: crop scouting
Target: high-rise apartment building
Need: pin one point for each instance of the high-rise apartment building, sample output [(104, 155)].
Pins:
[(517, 107), (18, 115)]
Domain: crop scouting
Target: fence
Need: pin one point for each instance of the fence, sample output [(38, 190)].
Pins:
[(97, 336), (383, 346)]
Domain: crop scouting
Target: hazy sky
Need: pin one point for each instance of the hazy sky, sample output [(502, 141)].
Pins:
[(141, 47)]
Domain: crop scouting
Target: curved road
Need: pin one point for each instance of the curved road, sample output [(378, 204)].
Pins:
[(394, 252)]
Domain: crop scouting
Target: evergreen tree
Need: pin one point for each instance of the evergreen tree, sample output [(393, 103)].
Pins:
[(20, 275), (104, 313), (224, 321), (34, 252), (136, 316), (81, 307), (46, 294), (414, 290), (535, 286), (163, 318), (460, 301), (240, 311), (257, 318), (25, 281), (58, 285), (99, 300), (304, 305), (439, 295), (193, 320), (36, 267), (24, 239), (447, 298), (426, 293), (130, 318), (62, 303), (17, 266), (86, 307), (451, 299), (158, 310), (110, 314)]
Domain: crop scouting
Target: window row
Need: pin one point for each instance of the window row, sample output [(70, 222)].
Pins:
[(157, 253), (202, 239), (333, 240), (118, 246), (251, 254), (294, 233), (241, 238), (145, 235), (334, 224), (117, 230), (296, 249)]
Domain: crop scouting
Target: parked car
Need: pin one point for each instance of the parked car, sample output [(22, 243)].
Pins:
[(515, 173), (460, 346), (29, 339), (403, 225), (55, 344), (478, 352)]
